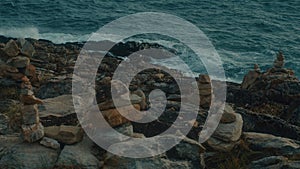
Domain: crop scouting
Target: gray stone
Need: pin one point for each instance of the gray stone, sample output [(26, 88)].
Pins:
[(187, 149), (270, 143), (78, 155), (117, 162), (49, 142), (230, 131), (27, 156), (3, 123), (57, 106), (33, 133), (11, 48), (220, 145), (27, 49), (272, 162)]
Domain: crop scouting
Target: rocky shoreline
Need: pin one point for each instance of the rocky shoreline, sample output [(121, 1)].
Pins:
[(260, 126)]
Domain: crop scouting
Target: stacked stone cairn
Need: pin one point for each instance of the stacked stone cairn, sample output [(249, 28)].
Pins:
[(18, 53), (228, 132), (205, 91), (32, 129)]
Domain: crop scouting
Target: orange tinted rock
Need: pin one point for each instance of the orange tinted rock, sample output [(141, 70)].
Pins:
[(114, 118)]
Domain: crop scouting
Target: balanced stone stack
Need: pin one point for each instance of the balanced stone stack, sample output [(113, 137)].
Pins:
[(204, 91), (257, 80), (32, 129), (16, 54), (228, 132)]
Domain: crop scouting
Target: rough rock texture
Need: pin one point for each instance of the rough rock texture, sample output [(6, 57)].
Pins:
[(263, 123), (58, 106), (78, 155), (11, 48), (276, 145), (3, 123), (32, 133), (28, 155)]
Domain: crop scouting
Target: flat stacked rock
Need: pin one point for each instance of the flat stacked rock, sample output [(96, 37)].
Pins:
[(228, 132), (32, 129), (205, 90), (18, 68)]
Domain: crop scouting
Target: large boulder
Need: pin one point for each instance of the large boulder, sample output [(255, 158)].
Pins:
[(28, 155), (79, 155), (264, 123), (271, 144)]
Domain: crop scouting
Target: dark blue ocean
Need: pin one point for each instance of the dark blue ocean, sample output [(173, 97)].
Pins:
[(243, 32)]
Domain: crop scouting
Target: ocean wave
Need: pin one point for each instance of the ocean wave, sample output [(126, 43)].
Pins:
[(33, 32)]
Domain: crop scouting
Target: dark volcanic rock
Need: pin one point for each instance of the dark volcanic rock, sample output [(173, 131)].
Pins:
[(263, 123)]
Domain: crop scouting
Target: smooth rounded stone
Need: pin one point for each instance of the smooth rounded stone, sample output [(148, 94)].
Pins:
[(228, 115), (30, 114), (11, 48), (3, 123), (79, 155), (65, 134), (29, 156), (220, 145), (204, 79), (271, 162), (229, 132), (32, 133), (49, 142), (228, 118), (19, 61)]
